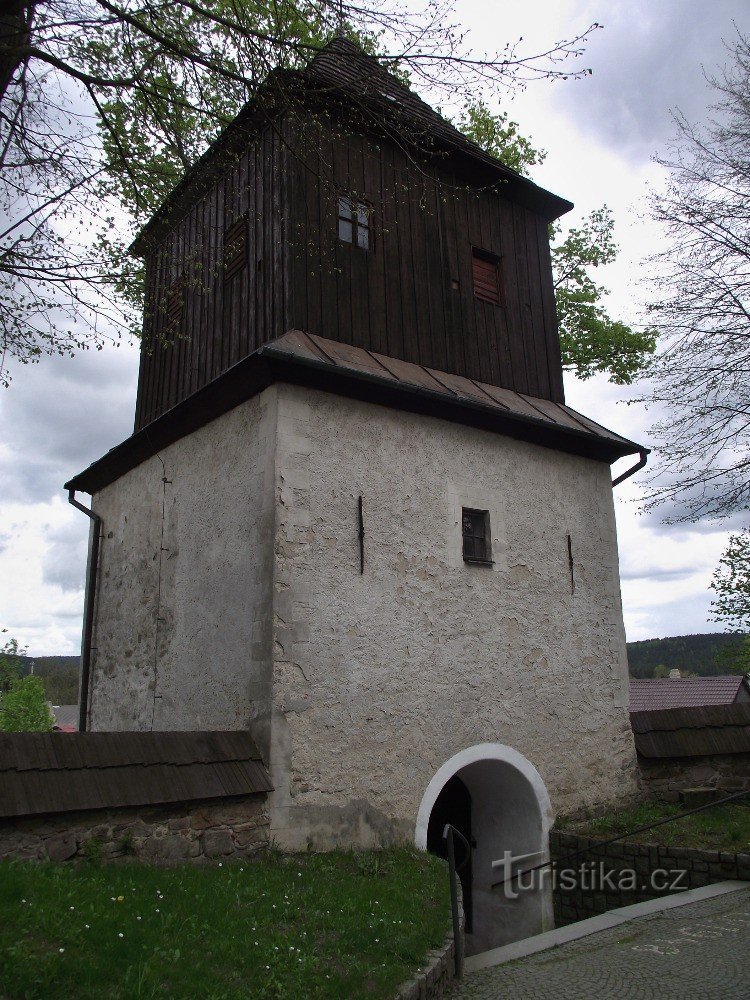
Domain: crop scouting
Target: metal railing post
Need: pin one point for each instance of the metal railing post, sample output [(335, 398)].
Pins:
[(458, 949)]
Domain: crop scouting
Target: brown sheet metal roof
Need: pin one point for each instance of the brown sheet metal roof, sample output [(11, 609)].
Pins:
[(653, 695), (342, 71), (304, 359), (692, 732), (67, 772)]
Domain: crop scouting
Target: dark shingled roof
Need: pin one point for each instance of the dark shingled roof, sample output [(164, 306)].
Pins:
[(652, 695), (692, 732), (304, 359), (67, 772), (343, 73)]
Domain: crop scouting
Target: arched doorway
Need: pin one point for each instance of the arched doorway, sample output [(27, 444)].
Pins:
[(499, 797)]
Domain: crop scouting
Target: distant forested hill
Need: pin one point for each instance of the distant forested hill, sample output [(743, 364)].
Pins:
[(700, 654), (60, 676)]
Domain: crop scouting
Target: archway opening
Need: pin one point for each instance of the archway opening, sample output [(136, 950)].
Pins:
[(453, 805), (498, 796)]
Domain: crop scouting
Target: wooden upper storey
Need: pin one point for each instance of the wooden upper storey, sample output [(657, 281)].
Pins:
[(315, 214)]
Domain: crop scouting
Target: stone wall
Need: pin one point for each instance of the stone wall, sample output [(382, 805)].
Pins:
[(666, 779), (176, 834), (602, 874)]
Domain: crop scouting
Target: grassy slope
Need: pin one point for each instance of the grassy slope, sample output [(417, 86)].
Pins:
[(726, 828), (298, 926)]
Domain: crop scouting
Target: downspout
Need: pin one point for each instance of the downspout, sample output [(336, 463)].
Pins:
[(644, 453), (88, 613)]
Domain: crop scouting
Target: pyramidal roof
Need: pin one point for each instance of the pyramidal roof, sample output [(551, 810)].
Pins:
[(342, 71)]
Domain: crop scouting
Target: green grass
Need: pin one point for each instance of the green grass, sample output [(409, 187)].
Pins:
[(338, 925), (725, 828)]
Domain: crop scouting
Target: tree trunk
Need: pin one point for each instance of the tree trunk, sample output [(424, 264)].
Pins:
[(15, 34)]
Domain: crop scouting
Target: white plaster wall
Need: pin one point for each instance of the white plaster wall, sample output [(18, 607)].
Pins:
[(380, 678), (183, 629)]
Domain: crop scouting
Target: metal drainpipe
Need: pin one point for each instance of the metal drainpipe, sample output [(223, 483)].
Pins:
[(88, 613), (644, 453)]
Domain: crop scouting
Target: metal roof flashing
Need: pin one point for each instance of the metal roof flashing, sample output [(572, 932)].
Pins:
[(304, 359)]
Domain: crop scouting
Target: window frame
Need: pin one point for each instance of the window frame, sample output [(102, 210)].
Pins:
[(353, 204), (475, 513)]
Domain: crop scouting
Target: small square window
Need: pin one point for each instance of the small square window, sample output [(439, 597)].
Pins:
[(475, 528), (486, 272), (355, 222)]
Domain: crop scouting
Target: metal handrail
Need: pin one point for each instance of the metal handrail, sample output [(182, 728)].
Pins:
[(449, 832)]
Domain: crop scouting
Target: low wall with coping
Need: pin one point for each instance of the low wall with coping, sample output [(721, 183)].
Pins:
[(177, 833), (601, 878), (166, 797), (666, 779)]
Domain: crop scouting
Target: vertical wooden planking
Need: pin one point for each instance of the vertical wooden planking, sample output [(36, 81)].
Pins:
[(467, 317), (529, 263), (537, 308), (393, 339), (447, 196), (377, 290), (524, 300), (257, 261), (483, 311), (360, 260), (279, 221), (500, 368), (423, 289), (342, 254), (313, 256), (410, 327), (242, 277), (511, 310), (549, 310)]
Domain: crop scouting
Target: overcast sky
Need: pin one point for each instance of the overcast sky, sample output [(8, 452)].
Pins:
[(601, 134)]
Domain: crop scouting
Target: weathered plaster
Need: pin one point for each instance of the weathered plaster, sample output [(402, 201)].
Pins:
[(380, 678), (183, 626)]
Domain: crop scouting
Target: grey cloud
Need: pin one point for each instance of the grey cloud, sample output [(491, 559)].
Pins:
[(670, 511), (62, 414), (656, 573), (646, 62), (686, 616), (64, 562)]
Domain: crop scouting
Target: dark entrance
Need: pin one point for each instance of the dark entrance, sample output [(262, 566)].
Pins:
[(453, 805)]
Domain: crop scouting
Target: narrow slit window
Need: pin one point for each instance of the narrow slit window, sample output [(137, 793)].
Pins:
[(355, 222), (486, 272), (235, 247), (475, 528)]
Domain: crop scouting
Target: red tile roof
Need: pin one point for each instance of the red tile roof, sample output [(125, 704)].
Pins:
[(659, 694)]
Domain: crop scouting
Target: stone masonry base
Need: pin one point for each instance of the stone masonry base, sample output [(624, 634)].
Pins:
[(197, 832), (659, 871)]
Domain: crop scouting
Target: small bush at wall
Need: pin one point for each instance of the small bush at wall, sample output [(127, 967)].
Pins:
[(24, 708)]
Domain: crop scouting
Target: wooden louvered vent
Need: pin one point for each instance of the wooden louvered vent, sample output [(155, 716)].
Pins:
[(235, 247), (175, 305), (486, 271)]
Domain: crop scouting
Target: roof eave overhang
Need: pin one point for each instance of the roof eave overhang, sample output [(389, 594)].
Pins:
[(269, 365)]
